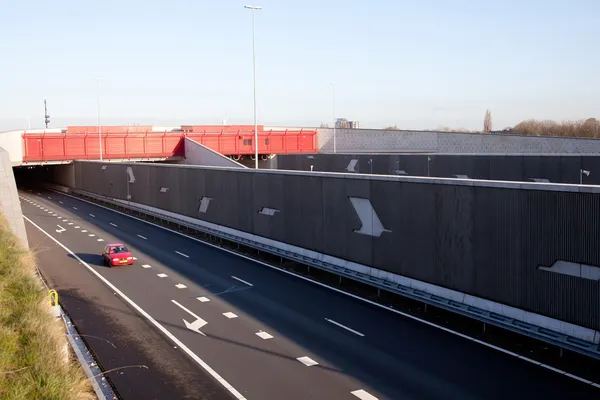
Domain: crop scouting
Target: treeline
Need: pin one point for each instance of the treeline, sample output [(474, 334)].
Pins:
[(589, 128)]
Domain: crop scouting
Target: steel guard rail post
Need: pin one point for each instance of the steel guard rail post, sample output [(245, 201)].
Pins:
[(567, 342)]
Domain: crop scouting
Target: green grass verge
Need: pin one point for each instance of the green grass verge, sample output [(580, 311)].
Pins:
[(32, 342)]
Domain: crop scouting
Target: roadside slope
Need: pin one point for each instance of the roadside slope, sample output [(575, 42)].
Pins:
[(32, 342)]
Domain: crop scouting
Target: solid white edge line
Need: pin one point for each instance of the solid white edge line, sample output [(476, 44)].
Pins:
[(241, 280), (414, 318), (344, 327), (140, 236), (181, 345), (181, 254)]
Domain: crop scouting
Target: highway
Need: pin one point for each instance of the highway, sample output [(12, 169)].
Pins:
[(254, 332)]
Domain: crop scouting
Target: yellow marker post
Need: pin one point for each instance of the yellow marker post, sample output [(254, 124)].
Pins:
[(53, 296)]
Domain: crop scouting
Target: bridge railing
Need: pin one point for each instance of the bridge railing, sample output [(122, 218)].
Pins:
[(46, 147)]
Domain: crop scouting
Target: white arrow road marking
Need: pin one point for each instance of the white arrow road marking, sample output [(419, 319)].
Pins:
[(60, 230), (197, 324)]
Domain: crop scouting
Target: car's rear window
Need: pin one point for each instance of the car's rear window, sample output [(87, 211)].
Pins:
[(120, 249)]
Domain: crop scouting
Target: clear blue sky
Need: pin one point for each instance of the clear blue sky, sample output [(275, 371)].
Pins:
[(417, 64)]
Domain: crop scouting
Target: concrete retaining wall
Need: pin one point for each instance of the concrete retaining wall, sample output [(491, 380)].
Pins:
[(486, 239), (382, 141), (9, 199), (522, 168), (198, 154)]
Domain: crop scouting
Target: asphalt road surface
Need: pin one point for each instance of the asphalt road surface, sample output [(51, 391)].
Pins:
[(208, 324)]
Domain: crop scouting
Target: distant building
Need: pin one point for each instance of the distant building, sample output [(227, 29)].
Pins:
[(343, 123)]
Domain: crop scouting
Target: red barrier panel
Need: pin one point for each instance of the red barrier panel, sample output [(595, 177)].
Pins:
[(151, 145)]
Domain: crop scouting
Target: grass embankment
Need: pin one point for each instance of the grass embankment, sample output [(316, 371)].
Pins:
[(32, 342)]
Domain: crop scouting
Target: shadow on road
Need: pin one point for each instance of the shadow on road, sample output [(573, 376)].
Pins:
[(91, 259)]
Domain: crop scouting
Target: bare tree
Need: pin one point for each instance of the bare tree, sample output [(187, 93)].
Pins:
[(589, 128), (487, 122), (324, 125)]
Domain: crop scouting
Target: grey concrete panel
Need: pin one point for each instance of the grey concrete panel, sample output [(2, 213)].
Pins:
[(335, 220), (454, 232), (382, 141), (268, 208), (359, 247), (10, 206), (198, 154)]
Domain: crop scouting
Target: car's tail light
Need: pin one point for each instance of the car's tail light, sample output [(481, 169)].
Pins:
[(130, 258), (115, 259)]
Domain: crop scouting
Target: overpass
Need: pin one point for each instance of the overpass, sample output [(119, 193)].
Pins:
[(57, 146)]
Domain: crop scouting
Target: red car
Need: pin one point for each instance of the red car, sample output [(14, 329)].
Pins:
[(116, 254)]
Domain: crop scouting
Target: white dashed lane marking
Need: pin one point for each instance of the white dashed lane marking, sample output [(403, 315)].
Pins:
[(230, 315), (115, 225), (363, 395), (181, 254), (180, 286), (140, 236), (309, 362), (101, 240), (241, 280), (75, 208), (344, 327), (146, 266), (91, 235), (162, 275), (92, 215), (202, 299), (264, 335)]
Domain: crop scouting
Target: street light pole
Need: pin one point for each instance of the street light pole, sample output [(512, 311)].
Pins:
[(334, 143), (253, 8), (98, 111)]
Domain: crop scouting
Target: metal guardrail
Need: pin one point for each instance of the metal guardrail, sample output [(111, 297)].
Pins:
[(99, 383), (567, 342)]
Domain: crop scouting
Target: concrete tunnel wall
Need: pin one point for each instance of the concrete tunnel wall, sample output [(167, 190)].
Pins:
[(515, 167), (383, 141), (487, 239), (10, 206)]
